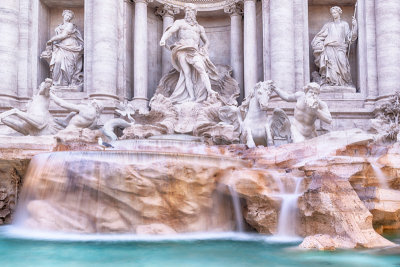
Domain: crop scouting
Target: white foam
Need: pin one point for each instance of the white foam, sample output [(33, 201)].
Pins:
[(25, 233)]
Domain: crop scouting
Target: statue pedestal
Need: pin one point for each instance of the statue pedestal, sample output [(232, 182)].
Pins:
[(337, 89), (68, 88)]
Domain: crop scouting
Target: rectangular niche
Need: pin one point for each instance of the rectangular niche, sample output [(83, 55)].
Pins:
[(318, 15), (49, 17)]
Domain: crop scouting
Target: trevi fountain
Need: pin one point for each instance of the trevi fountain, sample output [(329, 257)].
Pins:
[(199, 132)]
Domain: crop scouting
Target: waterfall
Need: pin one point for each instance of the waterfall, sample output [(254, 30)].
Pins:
[(287, 216), (379, 174), (237, 208)]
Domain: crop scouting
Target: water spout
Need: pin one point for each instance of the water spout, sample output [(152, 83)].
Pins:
[(379, 174)]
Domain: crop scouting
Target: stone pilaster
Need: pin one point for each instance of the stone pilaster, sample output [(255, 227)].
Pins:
[(140, 64), (250, 46), (387, 15), (236, 12), (9, 32), (167, 12), (370, 32), (104, 55), (282, 44)]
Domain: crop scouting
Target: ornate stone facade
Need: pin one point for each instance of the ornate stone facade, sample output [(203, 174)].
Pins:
[(260, 40)]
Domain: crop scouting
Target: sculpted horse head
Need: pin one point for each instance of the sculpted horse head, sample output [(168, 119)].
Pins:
[(262, 92), (261, 95)]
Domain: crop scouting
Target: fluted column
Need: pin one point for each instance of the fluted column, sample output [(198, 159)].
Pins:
[(282, 44), (167, 12), (104, 53), (387, 15), (236, 11), (9, 11), (140, 65), (250, 46)]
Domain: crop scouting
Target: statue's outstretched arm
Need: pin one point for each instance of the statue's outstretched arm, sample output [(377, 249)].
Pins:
[(286, 96), (168, 33), (63, 103), (323, 113)]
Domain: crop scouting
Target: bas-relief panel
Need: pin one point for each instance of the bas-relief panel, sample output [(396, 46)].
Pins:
[(154, 32), (218, 31), (318, 15)]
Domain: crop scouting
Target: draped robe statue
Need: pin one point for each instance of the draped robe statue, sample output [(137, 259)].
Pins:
[(330, 50), (65, 51)]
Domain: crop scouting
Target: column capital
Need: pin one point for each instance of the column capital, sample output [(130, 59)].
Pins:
[(250, 1), (167, 10), (143, 1), (234, 9)]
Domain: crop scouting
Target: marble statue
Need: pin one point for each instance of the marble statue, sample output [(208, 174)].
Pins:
[(190, 59), (256, 127), (64, 53), (307, 110), (36, 120), (253, 117), (82, 115), (330, 47)]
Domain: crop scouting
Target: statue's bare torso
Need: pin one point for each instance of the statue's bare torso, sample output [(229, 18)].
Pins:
[(189, 35)]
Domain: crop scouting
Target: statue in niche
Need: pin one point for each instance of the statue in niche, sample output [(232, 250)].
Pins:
[(64, 53), (330, 47), (190, 59), (189, 97), (307, 110), (37, 119)]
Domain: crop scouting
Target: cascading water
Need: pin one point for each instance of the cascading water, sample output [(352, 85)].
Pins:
[(287, 215), (125, 192), (379, 174), (238, 209)]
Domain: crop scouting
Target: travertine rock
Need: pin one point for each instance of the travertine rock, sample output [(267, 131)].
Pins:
[(127, 191), (326, 242), (331, 206)]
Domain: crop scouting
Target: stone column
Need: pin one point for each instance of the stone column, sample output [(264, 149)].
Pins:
[(372, 76), (250, 46), (9, 32), (104, 53), (236, 12), (140, 65), (167, 12), (282, 44), (387, 43)]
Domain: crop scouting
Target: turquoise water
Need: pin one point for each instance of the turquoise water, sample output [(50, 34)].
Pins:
[(201, 250)]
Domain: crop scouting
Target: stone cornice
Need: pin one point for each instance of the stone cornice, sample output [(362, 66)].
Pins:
[(167, 10)]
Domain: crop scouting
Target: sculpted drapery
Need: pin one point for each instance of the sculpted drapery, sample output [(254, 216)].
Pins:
[(330, 51), (193, 56), (67, 51)]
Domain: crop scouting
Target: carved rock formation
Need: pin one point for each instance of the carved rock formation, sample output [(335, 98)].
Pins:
[(331, 206), (337, 210)]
